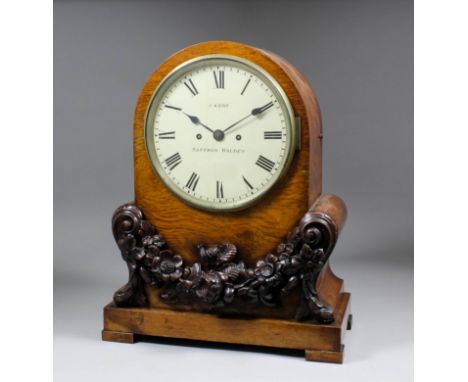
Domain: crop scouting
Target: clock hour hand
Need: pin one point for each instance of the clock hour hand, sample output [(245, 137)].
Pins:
[(196, 121), (255, 112)]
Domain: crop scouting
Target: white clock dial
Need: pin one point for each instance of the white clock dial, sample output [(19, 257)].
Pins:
[(220, 132)]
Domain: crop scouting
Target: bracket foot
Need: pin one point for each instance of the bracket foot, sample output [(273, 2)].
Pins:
[(324, 355), (110, 335)]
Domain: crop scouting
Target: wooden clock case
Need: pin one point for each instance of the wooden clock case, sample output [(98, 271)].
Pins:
[(303, 307)]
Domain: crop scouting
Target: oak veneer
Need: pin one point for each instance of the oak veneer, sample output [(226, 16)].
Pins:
[(255, 231), (320, 342)]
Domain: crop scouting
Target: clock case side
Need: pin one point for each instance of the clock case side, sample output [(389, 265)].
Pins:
[(307, 107), (329, 286)]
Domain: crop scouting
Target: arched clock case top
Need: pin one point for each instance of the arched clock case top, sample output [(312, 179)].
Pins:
[(197, 268)]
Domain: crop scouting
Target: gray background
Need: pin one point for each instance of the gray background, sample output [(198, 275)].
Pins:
[(358, 56)]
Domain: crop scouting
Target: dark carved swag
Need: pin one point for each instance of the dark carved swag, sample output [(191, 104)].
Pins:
[(220, 277)]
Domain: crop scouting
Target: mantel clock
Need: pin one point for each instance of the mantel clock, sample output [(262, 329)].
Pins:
[(229, 235)]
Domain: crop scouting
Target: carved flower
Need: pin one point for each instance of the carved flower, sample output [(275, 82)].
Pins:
[(266, 268), (192, 276), (138, 253), (168, 266), (290, 264), (285, 248), (211, 288), (126, 244), (153, 243)]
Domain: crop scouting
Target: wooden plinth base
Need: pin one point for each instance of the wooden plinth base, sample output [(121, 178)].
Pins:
[(320, 342)]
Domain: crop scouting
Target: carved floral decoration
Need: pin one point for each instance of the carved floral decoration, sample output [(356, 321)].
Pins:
[(220, 277)]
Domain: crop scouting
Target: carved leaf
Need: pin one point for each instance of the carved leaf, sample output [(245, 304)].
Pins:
[(227, 253)]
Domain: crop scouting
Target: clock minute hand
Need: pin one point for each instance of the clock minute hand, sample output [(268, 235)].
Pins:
[(236, 123), (196, 121), (260, 110), (254, 112)]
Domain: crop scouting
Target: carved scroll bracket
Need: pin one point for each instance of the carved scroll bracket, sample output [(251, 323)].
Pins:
[(220, 277)]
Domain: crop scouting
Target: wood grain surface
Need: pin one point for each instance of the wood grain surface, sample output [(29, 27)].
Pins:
[(320, 342), (329, 286), (257, 230)]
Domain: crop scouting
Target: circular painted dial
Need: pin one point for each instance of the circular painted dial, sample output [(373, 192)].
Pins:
[(220, 132)]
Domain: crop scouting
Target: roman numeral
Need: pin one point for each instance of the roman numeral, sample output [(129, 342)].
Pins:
[(219, 79), (168, 135), (219, 190), (272, 134), (245, 87), (193, 181), (191, 87), (173, 107), (265, 163), (173, 161), (247, 183)]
